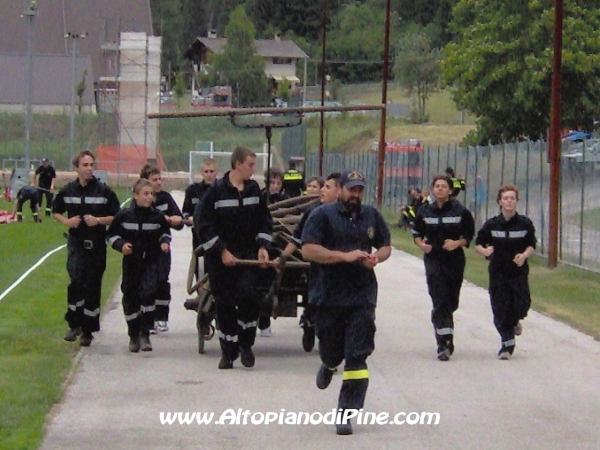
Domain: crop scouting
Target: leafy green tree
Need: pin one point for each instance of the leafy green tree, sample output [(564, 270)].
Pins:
[(303, 17), (179, 88), (239, 66), (433, 14), (417, 68), (355, 41), (500, 65), (284, 92)]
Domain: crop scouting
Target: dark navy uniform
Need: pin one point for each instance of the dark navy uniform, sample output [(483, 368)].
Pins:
[(345, 314), (46, 175), (145, 229), (241, 223), (27, 193), (293, 183), (86, 246), (444, 269), (509, 287), (165, 203), (193, 195)]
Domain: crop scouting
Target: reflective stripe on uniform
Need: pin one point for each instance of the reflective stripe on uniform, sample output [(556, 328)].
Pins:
[(265, 236), (73, 200), (93, 313), (133, 316), (149, 308), (455, 219), (130, 226), (431, 220), (227, 204), (251, 201), (162, 208), (162, 302), (79, 304), (195, 201), (227, 337), (444, 331), (95, 200), (209, 244), (498, 234), (509, 343), (247, 325), (150, 226), (517, 234), (113, 239), (355, 374)]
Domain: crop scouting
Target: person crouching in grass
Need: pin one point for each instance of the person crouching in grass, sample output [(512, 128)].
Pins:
[(141, 233)]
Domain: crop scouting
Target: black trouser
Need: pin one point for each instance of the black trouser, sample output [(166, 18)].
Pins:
[(511, 300), (347, 333), (49, 197), (33, 202), (86, 262), (139, 285), (237, 306), (444, 280), (163, 292)]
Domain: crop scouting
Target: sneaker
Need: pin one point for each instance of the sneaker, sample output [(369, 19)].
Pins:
[(85, 340), (71, 334), (444, 354), (145, 344), (308, 338), (504, 354), (162, 326), (225, 363), (518, 330), (266, 332), (155, 329), (324, 376), (134, 344), (247, 357), (343, 429)]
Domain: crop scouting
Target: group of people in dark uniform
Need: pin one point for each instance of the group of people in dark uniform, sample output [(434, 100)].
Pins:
[(443, 228), (42, 186), (342, 238)]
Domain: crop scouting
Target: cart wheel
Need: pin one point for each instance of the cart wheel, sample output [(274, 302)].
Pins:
[(200, 333), (209, 333)]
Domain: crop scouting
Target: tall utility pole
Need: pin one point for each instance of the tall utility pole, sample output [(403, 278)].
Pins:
[(29, 13), (74, 38), (554, 150)]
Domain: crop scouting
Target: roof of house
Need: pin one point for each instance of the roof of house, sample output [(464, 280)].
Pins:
[(102, 20), (52, 80), (267, 48)]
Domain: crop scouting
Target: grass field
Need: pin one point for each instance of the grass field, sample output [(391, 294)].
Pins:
[(591, 219), (34, 358)]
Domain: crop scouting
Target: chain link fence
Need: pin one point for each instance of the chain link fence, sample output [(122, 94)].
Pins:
[(487, 168)]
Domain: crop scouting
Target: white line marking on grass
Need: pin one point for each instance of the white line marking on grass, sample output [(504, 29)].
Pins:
[(39, 263), (31, 269)]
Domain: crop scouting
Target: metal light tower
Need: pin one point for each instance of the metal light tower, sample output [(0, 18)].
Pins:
[(29, 14), (74, 38)]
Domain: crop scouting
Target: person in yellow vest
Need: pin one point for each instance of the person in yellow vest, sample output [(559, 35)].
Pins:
[(458, 184), (293, 181)]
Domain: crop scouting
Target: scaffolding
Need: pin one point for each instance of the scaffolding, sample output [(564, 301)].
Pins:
[(132, 94)]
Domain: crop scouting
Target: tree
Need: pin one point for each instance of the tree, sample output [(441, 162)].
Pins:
[(500, 66), (417, 68), (239, 66), (433, 14), (179, 88), (355, 41)]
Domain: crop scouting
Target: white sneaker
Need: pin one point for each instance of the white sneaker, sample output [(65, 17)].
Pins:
[(162, 326), (266, 332), (154, 330)]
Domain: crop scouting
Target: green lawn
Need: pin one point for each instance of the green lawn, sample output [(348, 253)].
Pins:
[(566, 293), (34, 359), (591, 219)]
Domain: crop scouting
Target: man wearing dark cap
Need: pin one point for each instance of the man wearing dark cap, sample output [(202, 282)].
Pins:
[(44, 178), (340, 237), (458, 184)]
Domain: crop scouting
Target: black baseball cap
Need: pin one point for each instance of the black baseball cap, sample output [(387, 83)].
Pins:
[(352, 178)]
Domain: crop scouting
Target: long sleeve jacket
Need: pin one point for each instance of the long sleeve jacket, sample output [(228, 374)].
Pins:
[(237, 221), (144, 228), (165, 203)]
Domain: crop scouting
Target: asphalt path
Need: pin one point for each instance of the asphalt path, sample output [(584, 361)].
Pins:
[(547, 396)]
